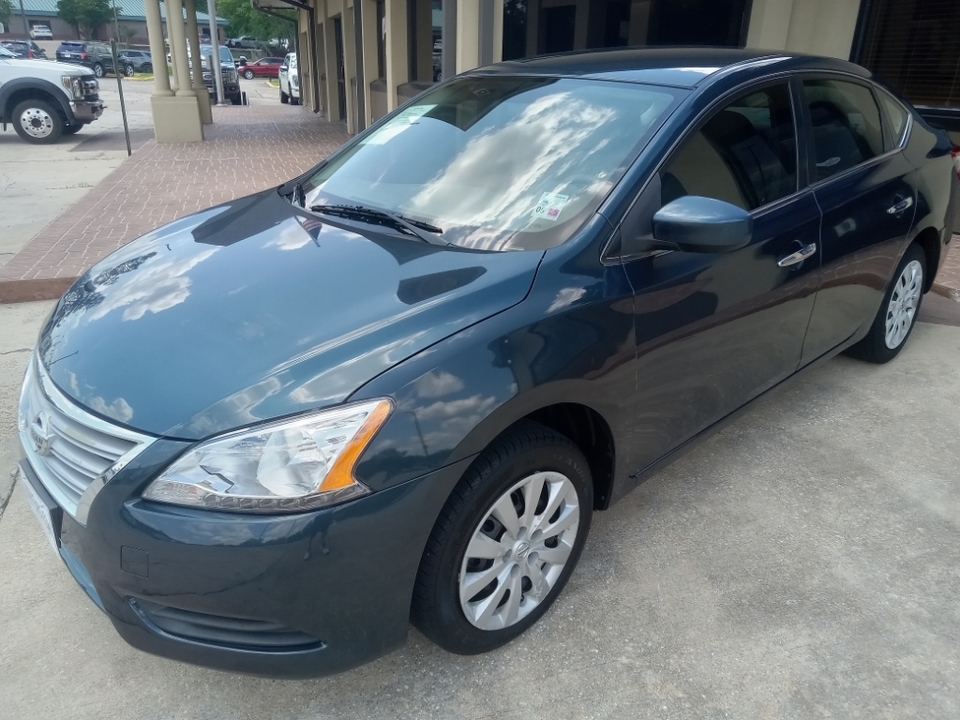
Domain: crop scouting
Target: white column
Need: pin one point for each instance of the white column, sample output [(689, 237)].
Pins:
[(178, 47), (161, 81), (398, 68), (193, 39)]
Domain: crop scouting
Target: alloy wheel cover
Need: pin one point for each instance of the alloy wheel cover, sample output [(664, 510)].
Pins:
[(37, 123), (902, 307), (519, 550)]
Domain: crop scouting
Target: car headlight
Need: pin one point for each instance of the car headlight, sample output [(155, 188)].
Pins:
[(231, 75), (287, 466), (73, 86)]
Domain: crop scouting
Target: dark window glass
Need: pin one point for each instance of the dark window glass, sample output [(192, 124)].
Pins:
[(846, 125), (746, 154), (914, 47), (895, 116), (381, 39)]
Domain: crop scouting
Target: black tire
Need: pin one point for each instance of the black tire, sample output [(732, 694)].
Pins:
[(523, 451), (72, 129), (146, 68), (294, 100), (128, 70), (249, 75), (46, 122), (98, 70), (236, 99), (874, 347), (284, 98)]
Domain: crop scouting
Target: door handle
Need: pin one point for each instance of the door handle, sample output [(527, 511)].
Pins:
[(799, 256), (898, 208)]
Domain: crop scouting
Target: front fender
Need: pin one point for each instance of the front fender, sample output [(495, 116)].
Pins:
[(27, 83)]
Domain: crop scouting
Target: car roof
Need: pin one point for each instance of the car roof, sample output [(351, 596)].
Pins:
[(679, 67)]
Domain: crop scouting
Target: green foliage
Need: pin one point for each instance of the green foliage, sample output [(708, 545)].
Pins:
[(244, 20), (6, 10), (86, 15)]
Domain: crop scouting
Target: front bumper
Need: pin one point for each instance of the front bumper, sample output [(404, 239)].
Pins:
[(286, 596), (86, 111)]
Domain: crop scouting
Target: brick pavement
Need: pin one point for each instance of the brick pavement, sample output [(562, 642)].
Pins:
[(247, 149)]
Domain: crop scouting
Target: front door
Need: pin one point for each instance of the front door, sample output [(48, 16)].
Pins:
[(716, 330)]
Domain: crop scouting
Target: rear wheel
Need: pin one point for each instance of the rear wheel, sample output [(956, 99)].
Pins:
[(506, 542), (898, 311), (37, 121)]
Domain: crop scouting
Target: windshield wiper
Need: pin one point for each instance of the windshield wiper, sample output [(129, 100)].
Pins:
[(414, 227)]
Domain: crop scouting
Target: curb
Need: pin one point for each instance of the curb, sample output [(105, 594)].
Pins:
[(21, 291)]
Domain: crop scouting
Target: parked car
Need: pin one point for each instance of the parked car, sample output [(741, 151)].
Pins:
[(41, 32), (134, 61), (289, 80), (231, 80), (94, 55), (265, 436), (45, 100), (265, 67), (24, 49), (243, 42)]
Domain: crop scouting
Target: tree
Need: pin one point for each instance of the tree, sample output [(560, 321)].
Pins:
[(6, 10), (242, 19), (86, 15)]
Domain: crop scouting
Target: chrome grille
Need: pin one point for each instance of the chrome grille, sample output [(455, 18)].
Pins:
[(67, 447)]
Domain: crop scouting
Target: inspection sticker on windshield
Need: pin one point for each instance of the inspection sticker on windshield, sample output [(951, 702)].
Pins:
[(549, 206)]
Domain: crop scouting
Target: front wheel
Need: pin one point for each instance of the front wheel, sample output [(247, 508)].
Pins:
[(506, 542), (898, 311), (284, 98), (37, 121), (128, 70), (249, 75), (98, 70)]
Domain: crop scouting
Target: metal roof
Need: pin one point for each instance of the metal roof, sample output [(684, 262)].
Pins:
[(130, 10)]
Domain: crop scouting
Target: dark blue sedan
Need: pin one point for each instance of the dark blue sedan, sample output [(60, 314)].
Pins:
[(265, 437)]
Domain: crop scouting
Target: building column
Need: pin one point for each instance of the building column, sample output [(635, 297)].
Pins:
[(479, 33), (161, 80), (350, 66), (193, 39), (398, 67), (371, 70), (329, 62), (177, 118)]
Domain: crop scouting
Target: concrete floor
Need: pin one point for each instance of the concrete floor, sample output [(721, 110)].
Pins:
[(801, 564)]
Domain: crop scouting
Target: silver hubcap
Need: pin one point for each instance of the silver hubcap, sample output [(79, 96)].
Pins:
[(903, 304), (36, 122), (519, 550)]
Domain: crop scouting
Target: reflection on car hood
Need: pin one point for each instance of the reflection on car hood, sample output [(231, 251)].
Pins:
[(252, 310)]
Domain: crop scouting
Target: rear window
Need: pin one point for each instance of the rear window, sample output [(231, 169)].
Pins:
[(72, 45)]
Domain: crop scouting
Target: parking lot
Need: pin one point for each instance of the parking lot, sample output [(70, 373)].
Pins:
[(800, 564)]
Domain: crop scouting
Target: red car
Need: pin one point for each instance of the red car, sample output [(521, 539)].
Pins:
[(264, 67)]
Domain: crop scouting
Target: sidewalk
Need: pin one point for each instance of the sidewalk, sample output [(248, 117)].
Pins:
[(248, 149)]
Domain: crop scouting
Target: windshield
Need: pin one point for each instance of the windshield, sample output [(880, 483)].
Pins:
[(225, 57), (498, 163), (6, 53)]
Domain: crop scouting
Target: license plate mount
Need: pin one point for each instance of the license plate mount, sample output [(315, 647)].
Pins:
[(47, 512)]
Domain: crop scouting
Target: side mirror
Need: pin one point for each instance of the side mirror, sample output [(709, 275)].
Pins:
[(704, 225)]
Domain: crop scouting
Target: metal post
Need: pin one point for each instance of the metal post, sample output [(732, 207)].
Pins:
[(116, 26), (23, 15), (215, 51), (123, 106)]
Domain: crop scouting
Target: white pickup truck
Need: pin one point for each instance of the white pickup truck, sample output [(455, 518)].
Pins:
[(44, 100)]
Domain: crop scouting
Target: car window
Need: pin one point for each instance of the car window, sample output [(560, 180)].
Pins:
[(745, 154), (895, 117), (498, 163), (846, 125)]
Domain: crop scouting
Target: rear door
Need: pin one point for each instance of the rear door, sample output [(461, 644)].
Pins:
[(715, 330), (865, 188)]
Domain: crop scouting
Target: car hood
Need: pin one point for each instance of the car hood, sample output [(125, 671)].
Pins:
[(51, 68), (254, 310)]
